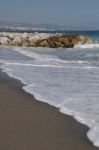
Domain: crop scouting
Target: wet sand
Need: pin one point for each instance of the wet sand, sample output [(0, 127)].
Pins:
[(27, 124)]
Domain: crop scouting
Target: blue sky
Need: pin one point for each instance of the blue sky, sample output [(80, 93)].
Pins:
[(83, 13)]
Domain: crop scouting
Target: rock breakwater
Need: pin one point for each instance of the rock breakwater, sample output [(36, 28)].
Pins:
[(43, 40)]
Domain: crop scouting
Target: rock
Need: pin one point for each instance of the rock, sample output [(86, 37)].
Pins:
[(67, 41), (16, 41), (20, 41), (4, 40), (33, 39), (43, 39), (43, 43)]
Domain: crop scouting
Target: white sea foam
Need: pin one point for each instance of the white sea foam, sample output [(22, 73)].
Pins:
[(70, 85), (96, 45)]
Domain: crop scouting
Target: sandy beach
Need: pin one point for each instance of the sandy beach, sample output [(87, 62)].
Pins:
[(27, 124)]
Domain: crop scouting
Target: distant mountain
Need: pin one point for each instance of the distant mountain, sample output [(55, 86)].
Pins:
[(14, 25), (40, 27)]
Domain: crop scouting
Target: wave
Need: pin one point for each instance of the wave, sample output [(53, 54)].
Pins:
[(71, 86), (83, 46), (32, 52), (46, 92), (93, 132)]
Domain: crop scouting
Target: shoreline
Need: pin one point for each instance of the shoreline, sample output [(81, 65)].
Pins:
[(56, 130)]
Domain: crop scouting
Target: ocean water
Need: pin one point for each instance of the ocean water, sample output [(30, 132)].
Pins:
[(65, 78), (93, 34)]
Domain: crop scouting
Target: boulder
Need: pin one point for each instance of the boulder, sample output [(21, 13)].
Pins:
[(67, 41), (4, 40)]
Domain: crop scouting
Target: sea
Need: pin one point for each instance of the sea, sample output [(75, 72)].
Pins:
[(67, 78)]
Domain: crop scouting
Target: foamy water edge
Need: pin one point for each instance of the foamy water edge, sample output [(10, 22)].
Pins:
[(93, 133)]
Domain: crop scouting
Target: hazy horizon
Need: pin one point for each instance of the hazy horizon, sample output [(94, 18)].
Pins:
[(78, 13)]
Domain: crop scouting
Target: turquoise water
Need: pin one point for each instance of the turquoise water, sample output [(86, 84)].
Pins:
[(93, 34)]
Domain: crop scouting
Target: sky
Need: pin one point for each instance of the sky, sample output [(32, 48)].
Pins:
[(77, 13)]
